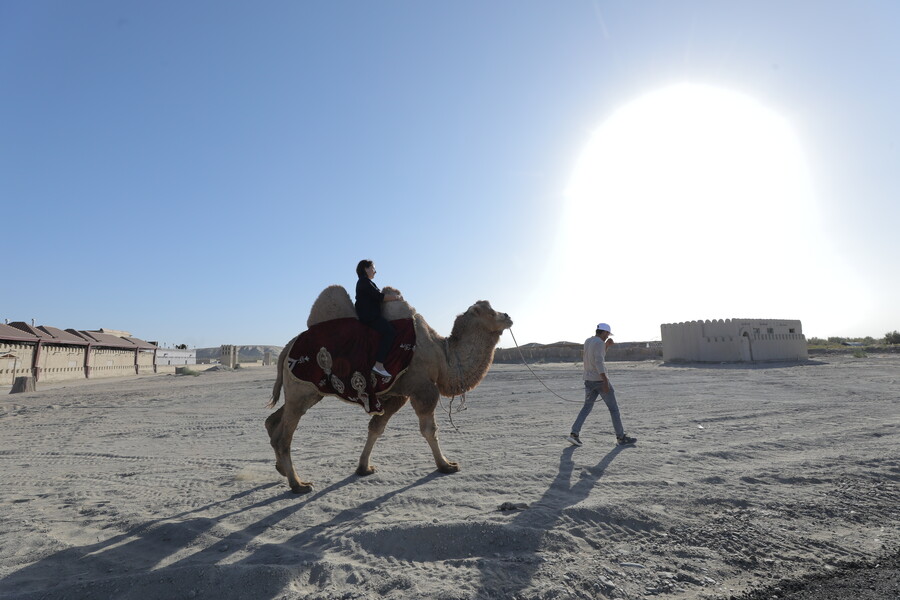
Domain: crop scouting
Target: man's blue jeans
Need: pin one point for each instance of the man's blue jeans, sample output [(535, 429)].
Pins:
[(591, 391)]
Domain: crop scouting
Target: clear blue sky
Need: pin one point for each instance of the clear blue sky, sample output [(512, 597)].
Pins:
[(196, 172)]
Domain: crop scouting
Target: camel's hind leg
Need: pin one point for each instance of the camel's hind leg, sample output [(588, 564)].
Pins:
[(376, 428), (281, 426), (425, 404)]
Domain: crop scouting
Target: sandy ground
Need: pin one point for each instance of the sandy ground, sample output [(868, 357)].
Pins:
[(164, 487)]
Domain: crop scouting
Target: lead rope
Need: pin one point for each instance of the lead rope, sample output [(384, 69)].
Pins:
[(535, 374), (462, 405)]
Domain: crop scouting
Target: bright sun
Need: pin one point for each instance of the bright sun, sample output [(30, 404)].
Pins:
[(690, 202)]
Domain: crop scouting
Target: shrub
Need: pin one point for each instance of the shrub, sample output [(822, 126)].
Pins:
[(859, 353), (892, 337)]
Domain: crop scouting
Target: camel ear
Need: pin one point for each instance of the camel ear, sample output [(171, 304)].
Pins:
[(475, 309)]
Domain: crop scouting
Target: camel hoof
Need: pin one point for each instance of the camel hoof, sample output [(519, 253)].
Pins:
[(450, 467), (365, 471), (304, 487)]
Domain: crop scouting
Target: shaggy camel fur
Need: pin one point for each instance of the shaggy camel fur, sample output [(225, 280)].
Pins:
[(440, 366)]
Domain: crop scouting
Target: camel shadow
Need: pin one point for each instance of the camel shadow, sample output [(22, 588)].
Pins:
[(145, 548), (309, 544)]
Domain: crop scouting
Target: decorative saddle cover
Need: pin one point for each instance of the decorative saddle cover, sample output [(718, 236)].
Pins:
[(337, 356)]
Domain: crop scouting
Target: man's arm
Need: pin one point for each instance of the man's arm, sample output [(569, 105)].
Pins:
[(604, 386)]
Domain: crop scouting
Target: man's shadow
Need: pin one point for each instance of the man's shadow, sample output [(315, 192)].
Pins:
[(537, 520)]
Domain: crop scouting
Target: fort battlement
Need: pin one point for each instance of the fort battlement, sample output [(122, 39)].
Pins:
[(734, 340)]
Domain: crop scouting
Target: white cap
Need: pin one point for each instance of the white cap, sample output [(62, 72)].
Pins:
[(605, 327)]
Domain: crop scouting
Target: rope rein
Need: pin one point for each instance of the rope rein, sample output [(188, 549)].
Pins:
[(535, 374), (462, 406)]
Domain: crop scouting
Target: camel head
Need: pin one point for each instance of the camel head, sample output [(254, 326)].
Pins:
[(488, 318)]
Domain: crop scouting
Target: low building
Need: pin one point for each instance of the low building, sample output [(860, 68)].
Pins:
[(51, 354), (179, 355), (734, 340)]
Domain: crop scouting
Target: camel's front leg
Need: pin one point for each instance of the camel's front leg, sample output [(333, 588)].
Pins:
[(425, 404), (376, 428)]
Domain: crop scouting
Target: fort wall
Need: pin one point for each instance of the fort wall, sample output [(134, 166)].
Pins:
[(59, 363), (734, 340), (15, 361)]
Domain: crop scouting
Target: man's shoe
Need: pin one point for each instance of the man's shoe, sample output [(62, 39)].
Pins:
[(574, 439), (626, 440), (381, 372)]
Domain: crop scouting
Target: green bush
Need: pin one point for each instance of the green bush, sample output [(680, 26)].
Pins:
[(859, 353), (892, 337)]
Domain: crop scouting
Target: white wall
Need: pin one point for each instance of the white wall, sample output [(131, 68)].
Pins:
[(168, 356)]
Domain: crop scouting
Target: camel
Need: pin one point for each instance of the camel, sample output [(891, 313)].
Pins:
[(440, 367)]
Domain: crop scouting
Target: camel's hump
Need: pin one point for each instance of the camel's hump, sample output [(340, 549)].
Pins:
[(334, 303)]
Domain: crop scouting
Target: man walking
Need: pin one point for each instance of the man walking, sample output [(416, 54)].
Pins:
[(596, 383)]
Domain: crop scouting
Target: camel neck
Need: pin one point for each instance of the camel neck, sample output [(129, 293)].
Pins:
[(469, 356)]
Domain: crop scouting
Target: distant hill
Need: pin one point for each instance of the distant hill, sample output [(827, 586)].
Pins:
[(245, 353), (566, 352)]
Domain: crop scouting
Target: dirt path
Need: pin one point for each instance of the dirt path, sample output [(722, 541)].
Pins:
[(163, 487)]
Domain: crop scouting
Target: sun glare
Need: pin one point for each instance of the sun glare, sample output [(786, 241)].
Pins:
[(689, 202)]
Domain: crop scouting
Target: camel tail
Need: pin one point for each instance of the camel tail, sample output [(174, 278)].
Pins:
[(276, 389)]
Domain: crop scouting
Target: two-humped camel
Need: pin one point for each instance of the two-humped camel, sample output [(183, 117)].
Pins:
[(440, 367)]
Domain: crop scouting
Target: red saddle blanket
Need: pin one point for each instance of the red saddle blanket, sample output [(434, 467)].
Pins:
[(337, 356)]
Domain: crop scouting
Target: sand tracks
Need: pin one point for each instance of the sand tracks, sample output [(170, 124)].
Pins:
[(164, 487)]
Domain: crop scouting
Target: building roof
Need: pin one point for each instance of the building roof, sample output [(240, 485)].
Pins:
[(14, 334), (141, 343), (53, 335), (118, 332), (23, 326), (104, 339), (20, 331), (62, 337)]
